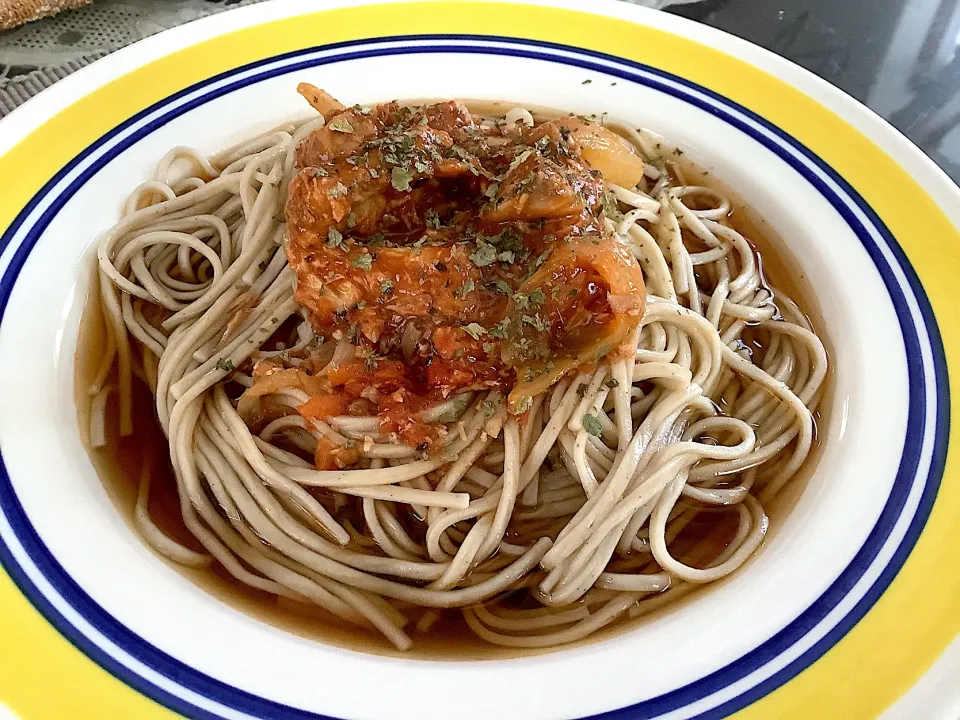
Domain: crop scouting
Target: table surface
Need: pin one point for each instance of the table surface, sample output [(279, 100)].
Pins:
[(896, 56)]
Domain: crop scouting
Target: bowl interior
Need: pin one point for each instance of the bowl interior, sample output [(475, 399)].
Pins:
[(811, 545)]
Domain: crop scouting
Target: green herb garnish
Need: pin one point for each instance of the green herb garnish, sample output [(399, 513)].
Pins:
[(364, 262), (611, 207), (519, 159), (475, 330), (483, 255), (522, 405), (534, 321), (334, 238), (592, 425), (501, 329), (372, 360), (502, 287), (453, 413), (340, 124), (400, 179)]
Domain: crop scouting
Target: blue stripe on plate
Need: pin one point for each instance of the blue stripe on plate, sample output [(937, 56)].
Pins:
[(782, 144)]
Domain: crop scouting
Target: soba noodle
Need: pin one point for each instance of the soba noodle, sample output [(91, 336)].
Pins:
[(574, 511)]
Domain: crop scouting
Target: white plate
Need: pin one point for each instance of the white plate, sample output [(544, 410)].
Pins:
[(72, 554)]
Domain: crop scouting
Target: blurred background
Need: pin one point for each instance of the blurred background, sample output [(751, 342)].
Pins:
[(899, 57)]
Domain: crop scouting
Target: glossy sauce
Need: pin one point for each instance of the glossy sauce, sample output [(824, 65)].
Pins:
[(484, 242)]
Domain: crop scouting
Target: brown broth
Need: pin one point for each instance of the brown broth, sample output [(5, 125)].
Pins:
[(120, 463)]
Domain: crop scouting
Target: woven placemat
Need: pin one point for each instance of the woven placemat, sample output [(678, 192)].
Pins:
[(36, 55)]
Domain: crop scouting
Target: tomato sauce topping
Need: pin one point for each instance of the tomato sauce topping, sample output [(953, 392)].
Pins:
[(455, 253)]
